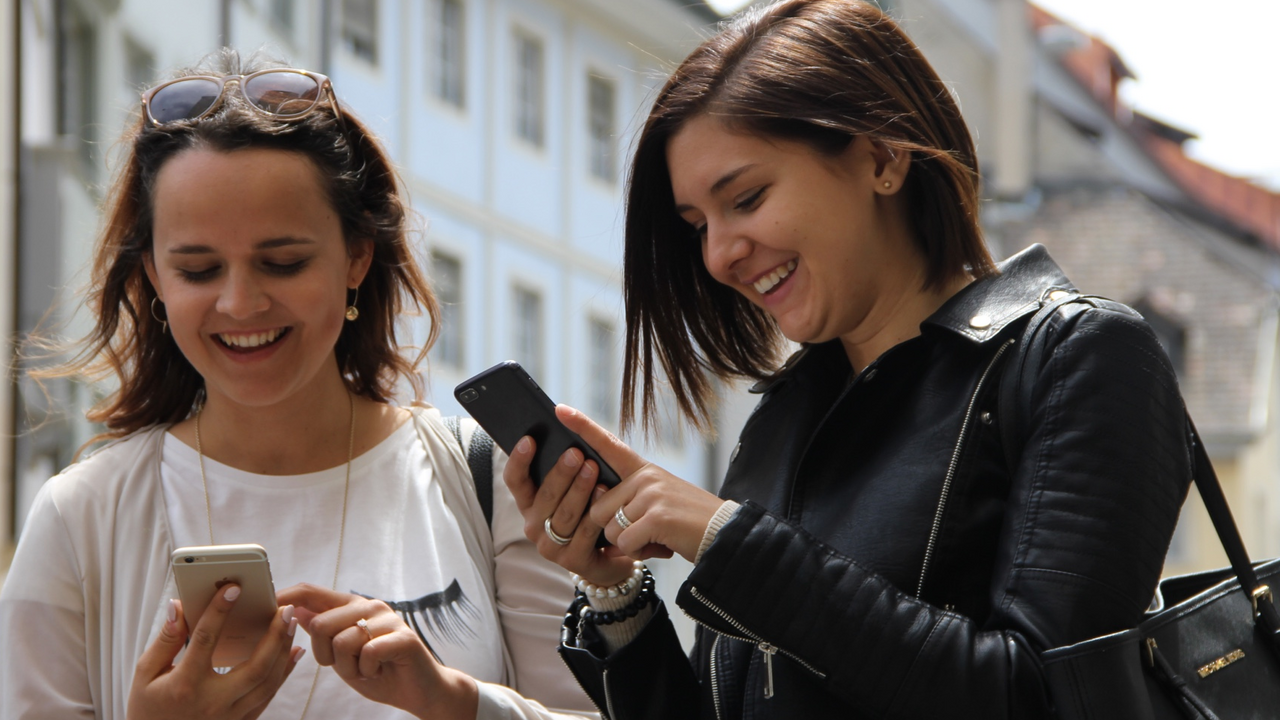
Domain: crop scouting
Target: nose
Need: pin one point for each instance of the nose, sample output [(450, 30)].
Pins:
[(722, 248), (242, 296)]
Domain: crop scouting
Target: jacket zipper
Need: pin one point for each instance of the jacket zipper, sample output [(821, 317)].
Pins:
[(608, 697), (715, 683), (951, 468), (748, 636)]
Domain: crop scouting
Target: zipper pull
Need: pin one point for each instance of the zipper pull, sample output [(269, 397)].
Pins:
[(769, 651)]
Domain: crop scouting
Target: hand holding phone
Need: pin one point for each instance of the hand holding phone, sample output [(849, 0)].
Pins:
[(203, 570), (508, 404)]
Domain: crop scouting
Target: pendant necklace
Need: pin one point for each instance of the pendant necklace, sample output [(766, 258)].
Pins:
[(342, 526)]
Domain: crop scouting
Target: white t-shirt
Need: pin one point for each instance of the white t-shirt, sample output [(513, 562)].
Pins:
[(402, 544)]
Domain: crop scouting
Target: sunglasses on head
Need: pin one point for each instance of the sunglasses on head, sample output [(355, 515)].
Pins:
[(282, 93)]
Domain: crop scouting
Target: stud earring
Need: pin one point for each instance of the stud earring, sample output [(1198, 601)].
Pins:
[(164, 324), (887, 184), (352, 311)]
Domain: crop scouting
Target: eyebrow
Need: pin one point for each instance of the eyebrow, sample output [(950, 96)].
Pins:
[(264, 245), (720, 184)]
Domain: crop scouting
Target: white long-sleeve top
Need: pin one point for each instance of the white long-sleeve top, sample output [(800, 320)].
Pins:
[(88, 587)]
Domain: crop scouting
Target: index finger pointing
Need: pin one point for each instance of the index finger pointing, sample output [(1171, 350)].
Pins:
[(312, 597), (616, 453)]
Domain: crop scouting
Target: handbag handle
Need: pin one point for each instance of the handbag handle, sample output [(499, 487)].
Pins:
[(1264, 609), (1015, 398)]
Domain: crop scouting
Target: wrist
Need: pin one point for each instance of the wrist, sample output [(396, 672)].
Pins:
[(457, 696)]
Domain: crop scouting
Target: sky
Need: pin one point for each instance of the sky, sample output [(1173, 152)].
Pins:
[(1210, 67)]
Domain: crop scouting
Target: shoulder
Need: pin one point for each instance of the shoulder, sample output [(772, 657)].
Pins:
[(106, 469)]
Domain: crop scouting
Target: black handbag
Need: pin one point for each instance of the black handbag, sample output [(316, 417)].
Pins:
[(1209, 647)]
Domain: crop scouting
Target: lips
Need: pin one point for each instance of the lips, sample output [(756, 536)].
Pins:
[(773, 278), (249, 342)]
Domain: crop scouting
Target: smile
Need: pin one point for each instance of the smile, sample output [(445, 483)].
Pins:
[(252, 341), (770, 281)]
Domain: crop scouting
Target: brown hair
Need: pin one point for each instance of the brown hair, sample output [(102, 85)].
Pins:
[(815, 71), (156, 383)]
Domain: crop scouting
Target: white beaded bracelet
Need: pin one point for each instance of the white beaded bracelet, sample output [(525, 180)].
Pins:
[(626, 587)]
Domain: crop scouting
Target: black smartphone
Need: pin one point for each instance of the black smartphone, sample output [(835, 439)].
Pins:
[(508, 404)]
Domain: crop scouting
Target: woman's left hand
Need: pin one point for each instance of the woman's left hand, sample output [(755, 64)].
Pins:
[(663, 510), (384, 660)]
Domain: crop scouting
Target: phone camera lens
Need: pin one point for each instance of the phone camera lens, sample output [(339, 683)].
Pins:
[(468, 395), (189, 559)]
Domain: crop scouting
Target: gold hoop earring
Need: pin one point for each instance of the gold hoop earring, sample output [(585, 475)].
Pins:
[(352, 311), (164, 324)]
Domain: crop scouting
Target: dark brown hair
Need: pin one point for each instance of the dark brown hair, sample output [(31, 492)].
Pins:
[(815, 71), (156, 383)]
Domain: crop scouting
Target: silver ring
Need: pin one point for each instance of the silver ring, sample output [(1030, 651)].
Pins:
[(621, 517), (555, 537), (364, 625)]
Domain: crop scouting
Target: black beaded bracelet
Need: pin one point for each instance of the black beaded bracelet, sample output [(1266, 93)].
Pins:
[(646, 596)]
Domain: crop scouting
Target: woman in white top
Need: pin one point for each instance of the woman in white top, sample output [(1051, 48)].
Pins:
[(246, 292)]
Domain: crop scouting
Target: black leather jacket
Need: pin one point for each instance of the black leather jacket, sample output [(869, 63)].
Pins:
[(890, 561)]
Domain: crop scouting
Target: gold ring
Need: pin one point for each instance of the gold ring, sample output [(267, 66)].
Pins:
[(364, 625)]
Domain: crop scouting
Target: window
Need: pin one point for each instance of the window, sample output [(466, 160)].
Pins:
[(528, 331), (448, 74), (360, 28), (281, 14), (528, 91), (600, 126), (602, 391), (446, 278), (77, 74)]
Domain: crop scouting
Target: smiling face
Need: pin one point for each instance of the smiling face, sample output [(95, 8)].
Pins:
[(250, 262), (820, 243)]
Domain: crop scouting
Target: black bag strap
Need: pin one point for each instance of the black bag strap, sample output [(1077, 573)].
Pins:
[(479, 461), (1015, 408)]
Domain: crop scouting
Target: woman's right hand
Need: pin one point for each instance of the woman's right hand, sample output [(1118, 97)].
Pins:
[(191, 688), (563, 497)]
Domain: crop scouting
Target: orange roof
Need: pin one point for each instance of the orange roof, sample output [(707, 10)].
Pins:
[(1099, 69)]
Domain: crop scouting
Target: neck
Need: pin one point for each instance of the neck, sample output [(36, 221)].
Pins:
[(900, 319), (303, 434)]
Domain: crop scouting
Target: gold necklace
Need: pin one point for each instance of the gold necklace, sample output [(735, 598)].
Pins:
[(342, 525)]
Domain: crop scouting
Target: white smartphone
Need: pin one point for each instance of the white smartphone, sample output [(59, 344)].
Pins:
[(201, 571)]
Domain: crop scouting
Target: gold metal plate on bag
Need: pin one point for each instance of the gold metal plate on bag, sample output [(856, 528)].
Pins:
[(1221, 662)]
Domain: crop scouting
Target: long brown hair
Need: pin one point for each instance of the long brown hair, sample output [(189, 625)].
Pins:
[(129, 343), (815, 71)]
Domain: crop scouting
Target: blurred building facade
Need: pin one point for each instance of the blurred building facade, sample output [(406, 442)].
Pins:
[(1119, 205), (509, 121)]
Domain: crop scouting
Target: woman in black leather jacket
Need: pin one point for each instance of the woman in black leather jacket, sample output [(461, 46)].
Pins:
[(883, 547)]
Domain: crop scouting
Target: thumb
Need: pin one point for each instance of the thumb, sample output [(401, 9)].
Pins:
[(158, 657)]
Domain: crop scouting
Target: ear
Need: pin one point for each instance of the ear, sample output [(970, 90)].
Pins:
[(892, 165), (149, 265), (359, 258)]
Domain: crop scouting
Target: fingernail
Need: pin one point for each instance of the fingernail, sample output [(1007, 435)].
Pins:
[(523, 446), (599, 493), (298, 652), (232, 593), (293, 626), (588, 471), (287, 614), (171, 614), (572, 458)]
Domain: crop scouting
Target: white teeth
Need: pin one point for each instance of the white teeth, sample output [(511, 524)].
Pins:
[(770, 281), (253, 340)]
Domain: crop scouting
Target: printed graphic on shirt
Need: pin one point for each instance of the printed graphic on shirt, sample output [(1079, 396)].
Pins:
[(446, 615)]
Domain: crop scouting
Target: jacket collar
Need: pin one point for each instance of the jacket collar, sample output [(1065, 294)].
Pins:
[(982, 310), (986, 307)]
